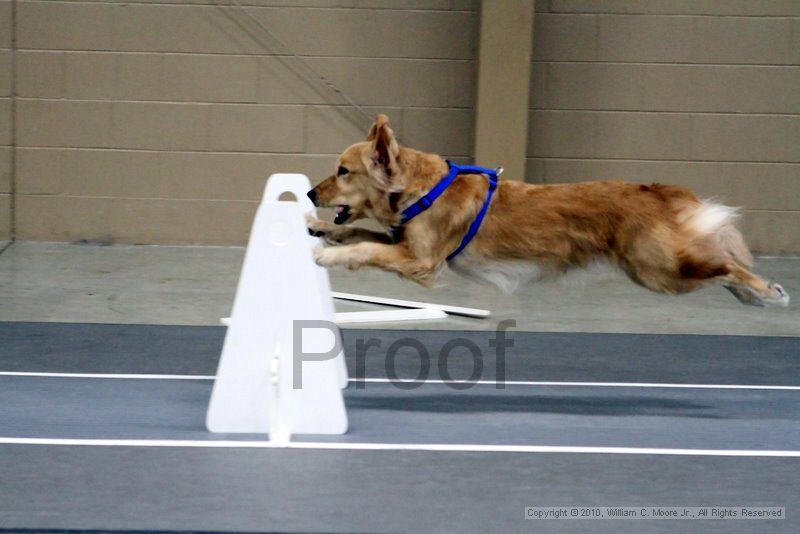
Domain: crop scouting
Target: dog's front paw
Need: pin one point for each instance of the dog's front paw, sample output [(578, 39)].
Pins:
[(316, 227), (329, 232), (326, 257)]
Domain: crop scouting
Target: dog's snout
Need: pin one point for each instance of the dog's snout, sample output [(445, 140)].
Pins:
[(312, 194)]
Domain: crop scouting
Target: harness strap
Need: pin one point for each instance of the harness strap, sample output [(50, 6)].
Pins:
[(476, 224), (427, 201)]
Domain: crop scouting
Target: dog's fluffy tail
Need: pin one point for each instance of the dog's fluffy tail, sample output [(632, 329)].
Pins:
[(713, 224)]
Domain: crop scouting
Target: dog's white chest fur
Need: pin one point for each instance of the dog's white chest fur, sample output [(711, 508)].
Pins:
[(508, 275)]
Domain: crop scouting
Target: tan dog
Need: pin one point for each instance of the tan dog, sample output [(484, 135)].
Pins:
[(663, 237)]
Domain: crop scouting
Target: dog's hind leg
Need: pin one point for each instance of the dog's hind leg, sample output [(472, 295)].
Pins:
[(752, 289), (656, 267), (746, 286), (718, 252)]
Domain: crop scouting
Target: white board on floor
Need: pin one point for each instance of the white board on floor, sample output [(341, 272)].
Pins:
[(383, 316), (388, 316), (261, 386), (454, 310)]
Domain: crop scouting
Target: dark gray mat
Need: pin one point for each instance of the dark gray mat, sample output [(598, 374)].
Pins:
[(36, 407), (192, 489), (104, 348), (369, 491)]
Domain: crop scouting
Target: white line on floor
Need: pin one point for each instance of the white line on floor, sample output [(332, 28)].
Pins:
[(101, 375), (432, 447), (590, 384), (428, 381)]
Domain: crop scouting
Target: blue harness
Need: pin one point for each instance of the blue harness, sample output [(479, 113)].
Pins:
[(427, 201)]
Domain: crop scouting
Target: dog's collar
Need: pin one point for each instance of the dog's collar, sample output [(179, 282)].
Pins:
[(427, 201)]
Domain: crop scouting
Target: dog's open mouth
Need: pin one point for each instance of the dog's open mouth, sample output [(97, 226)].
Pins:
[(342, 214)]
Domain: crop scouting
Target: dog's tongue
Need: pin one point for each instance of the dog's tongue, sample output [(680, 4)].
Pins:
[(342, 214)]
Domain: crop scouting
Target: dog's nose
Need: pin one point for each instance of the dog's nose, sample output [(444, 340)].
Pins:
[(312, 194)]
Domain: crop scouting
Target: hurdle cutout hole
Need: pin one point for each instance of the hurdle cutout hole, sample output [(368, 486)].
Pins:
[(287, 196)]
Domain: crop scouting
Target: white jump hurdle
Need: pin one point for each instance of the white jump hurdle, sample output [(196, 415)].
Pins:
[(255, 390)]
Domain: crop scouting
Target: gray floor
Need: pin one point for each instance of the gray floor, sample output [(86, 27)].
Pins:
[(126, 488), (534, 356), (196, 285), (516, 412), (239, 489), (235, 489), (555, 416)]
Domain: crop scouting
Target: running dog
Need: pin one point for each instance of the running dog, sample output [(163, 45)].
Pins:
[(435, 213)]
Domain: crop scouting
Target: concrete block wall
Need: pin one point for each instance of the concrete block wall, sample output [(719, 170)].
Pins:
[(158, 122), (704, 93), (5, 119)]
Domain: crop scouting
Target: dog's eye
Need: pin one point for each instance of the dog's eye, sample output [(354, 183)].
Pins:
[(341, 171)]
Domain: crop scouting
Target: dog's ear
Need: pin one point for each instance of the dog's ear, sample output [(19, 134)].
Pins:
[(383, 154), (381, 120)]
